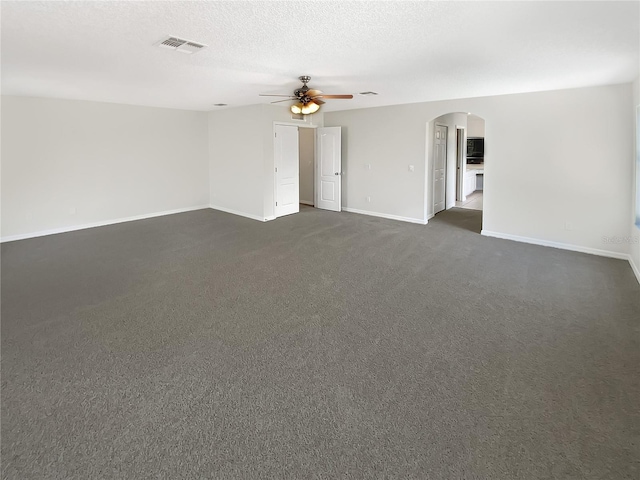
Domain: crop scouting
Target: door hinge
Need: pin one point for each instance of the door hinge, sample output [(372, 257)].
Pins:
[(276, 204), (275, 135), (276, 169)]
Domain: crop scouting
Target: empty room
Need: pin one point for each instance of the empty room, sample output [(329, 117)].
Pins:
[(314, 239)]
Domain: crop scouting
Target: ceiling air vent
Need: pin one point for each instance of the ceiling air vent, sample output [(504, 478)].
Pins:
[(180, 45)]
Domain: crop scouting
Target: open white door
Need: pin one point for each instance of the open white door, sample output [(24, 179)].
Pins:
[(329, 168), (439, 168), (286, 153), (461, 149)]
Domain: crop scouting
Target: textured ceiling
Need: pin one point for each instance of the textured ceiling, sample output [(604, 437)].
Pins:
[(407, 51)]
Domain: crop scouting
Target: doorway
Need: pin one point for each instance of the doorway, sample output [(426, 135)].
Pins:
[(308, 168), (307, 162), (456, 163), (472, 178)]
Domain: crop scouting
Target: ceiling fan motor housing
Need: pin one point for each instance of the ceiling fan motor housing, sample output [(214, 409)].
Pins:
[(301, 92)]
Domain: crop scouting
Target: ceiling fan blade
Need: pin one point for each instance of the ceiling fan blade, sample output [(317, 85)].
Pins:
[(318, 101), (285, 100), (271, 95), (335, 96), (312, 92)]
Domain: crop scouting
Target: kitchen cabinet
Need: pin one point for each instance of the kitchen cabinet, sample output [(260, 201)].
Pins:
[(469, 182)]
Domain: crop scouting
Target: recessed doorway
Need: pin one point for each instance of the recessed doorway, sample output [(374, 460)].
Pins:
[(308, 168), (456, 162)]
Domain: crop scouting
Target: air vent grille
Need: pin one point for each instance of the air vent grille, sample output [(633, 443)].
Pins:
[(172, 42), (180, 45)]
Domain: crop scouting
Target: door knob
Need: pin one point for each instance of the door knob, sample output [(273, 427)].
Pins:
[(337, 173)]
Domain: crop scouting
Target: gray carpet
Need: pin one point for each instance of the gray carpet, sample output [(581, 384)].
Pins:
[(319, 345)]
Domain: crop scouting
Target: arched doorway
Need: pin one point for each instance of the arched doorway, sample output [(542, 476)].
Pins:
[(456, 157)]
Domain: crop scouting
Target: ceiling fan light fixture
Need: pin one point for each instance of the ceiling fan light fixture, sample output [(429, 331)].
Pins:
[(310, 108), (308, 100)]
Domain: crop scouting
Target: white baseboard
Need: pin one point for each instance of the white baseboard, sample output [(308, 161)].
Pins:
[(54, 231), (635, 268), (242, 214), (306, 202), (385, 215), (563, 246)]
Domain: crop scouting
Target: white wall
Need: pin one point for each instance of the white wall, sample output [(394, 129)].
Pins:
[(553, 160), (475, 126), (635, 230), (241, 162), (68, 164), (236, 161), (307, 156), (389, 139)]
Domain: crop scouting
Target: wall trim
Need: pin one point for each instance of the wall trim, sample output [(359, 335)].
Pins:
[(562, 246), (385, 215), (242, 214), (635, 268), (55, 231)]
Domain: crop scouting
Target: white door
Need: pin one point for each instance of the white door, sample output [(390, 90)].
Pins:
[(439, 168), (286, 163), (329, 168), (460, 163)]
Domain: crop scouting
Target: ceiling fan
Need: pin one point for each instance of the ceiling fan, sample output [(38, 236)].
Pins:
[(308, 99)]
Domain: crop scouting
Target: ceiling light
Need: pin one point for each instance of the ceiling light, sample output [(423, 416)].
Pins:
[(304, 108), (310, 108)]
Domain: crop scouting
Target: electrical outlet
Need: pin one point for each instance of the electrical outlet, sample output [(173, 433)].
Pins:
[(568, 226), (368, 166), (369, 199), (411, 168)]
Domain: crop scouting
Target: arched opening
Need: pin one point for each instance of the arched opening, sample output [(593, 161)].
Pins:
[(455, 175)]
